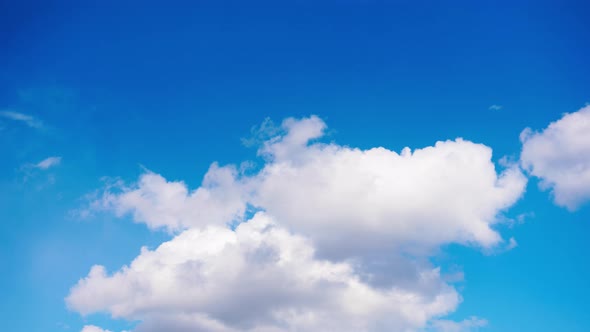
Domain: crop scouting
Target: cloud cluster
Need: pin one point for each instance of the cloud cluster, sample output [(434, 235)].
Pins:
[(340, 243), (560, 156), (259, 277), (446, 193)]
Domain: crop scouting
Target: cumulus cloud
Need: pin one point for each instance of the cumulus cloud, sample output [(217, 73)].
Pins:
[(342, 242), (29, 120), (449, 192), (259, 277), (92, 328), (170, 205), (560, 156), (495, 107)]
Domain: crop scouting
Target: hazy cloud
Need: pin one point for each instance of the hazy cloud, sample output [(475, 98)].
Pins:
[(93, 328), (29, 120), (467, 325), (48, 163)]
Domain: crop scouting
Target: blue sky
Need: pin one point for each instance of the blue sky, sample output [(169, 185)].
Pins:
[(118, 88)]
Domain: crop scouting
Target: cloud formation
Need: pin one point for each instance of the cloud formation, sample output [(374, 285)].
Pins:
[(93, 328), (29, 120), (560, 156), (449, 192), (341, 242), (258, 277), (48, 163), (471, 324)]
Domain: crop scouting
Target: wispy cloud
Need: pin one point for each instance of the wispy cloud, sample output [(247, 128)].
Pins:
[(511, 244), (470, 324), (495, 107), (29, 120), (40, 171), (48, 163)]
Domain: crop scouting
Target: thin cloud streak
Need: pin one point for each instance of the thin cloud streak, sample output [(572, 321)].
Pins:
[(29, 120), (48, 163)]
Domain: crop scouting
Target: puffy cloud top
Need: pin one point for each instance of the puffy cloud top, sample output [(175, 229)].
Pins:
[(449, 192), (255, 278), (560, 156), (341, 243)]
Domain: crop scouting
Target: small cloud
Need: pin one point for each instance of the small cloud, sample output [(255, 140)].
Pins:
[(261, 133), (99, 200), (93, 328), (521, 218), (495, 107), (63, 326), (48, 163), (29, 120), (30, 171), (470, 324), (511, 244)]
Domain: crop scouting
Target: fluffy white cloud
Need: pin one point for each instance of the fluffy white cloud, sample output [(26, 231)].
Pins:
[(92, 328), (446, 193), (163, 204), (560, 156), (342, 245), (259, 277)]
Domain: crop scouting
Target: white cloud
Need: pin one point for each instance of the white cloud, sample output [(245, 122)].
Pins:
[(560, 156), (495, 107), (48, 163), (33, 170), (343, 244), (258, 278), (170, 205), (446, 193), (29, 120), (471, 324), (449, 192), (511, 244), (92, 328)]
